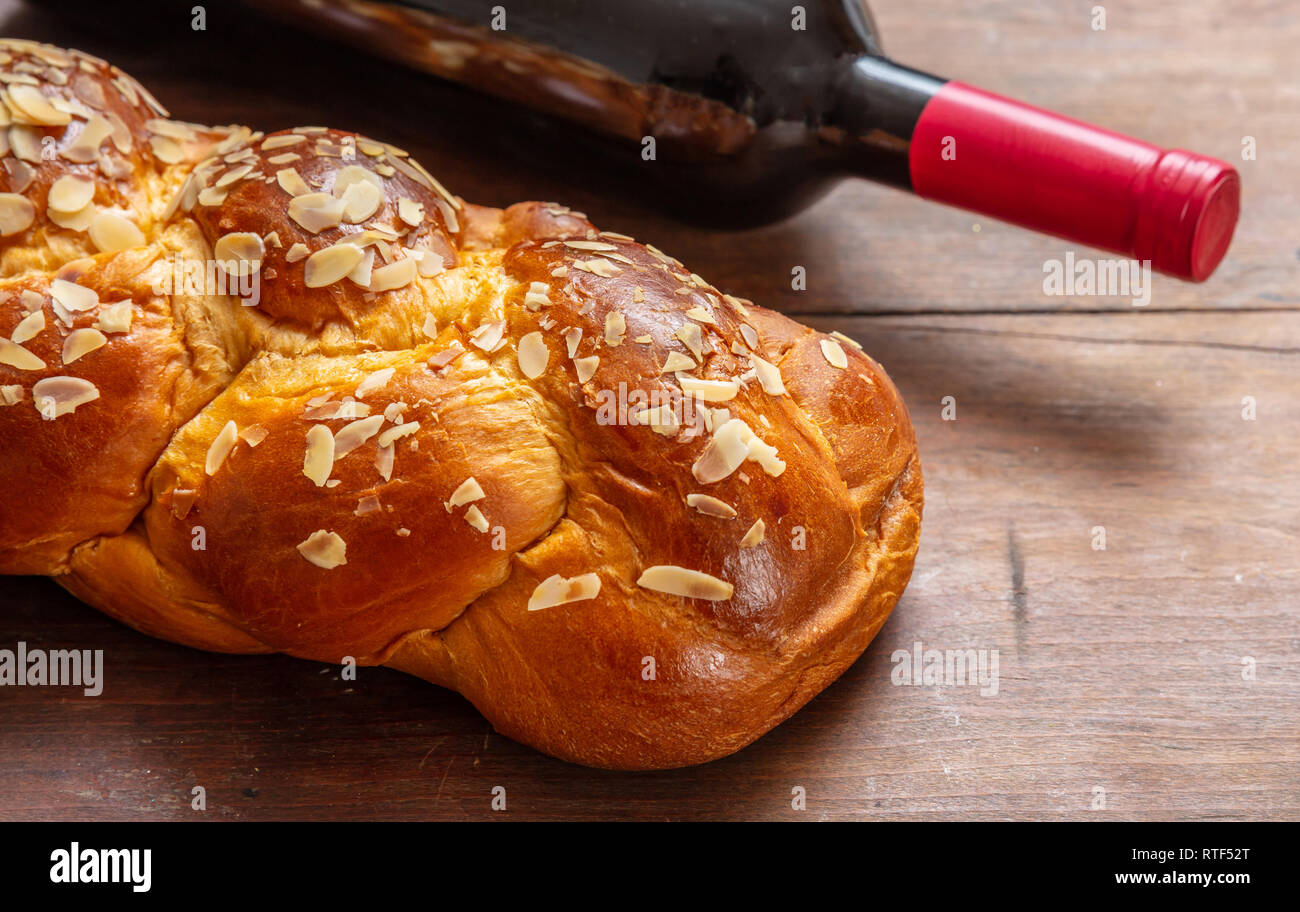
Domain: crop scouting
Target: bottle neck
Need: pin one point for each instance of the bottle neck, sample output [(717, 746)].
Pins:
[(878, 105)]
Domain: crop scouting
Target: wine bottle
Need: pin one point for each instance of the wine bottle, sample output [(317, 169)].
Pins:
[(748, 110)]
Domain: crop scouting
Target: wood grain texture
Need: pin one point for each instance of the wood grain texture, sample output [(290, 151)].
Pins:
[(1119, 669)]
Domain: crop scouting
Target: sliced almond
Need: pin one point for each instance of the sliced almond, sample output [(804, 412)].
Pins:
[(393, 412), (360, 273), (16, 356), (28, 327), (326, 550), (112, 231), (709, 390), (397, 274), (675, 362), (352, 435), (688, 583), (316, 211), (731, 444), (754, 536), (769, 376), (30, 101), (711, 506), (488, 336), (279, 142), (374, 380), (615, 328), (85, 147), (81, 342), (714, 418), (662, 419), (72, 296), (115, 317), (360, 201), (175, 129), (409, 211), (596, 266), (55, 396), (73, 221), (533, 355), (571, 339), (431, 263), (557, 590), (834, 354), (320, 408), (537, 296), (70, 194), (447, 355), (220, 448), (691, 336), (397, 432), (240, 253), (325, 267), (468, 491), (231, 177), (16, 213), (318, 461), (355, 174), (586, 367), (474, 516), (26, 143), (211, 196), (166, 149), (384, 457), (291, 182)]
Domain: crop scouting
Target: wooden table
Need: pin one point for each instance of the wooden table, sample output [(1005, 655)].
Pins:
[(1121, 670)]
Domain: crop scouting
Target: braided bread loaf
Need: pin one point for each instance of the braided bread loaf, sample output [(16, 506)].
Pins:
[(285, 393)]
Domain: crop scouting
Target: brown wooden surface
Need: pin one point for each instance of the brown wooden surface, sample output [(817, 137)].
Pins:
[(1120, 669)]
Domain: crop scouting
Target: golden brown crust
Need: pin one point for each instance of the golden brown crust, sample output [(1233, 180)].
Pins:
[(636, 521), (82, 474), (321, 160)]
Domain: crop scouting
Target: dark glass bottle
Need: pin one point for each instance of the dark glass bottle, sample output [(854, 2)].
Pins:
[(747, 110)]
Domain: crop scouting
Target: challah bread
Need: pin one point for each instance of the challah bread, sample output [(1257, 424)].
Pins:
[(636, 521)]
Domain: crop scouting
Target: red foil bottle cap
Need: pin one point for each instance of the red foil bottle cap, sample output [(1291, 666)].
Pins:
[(1060, 176), (1188, 212)]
